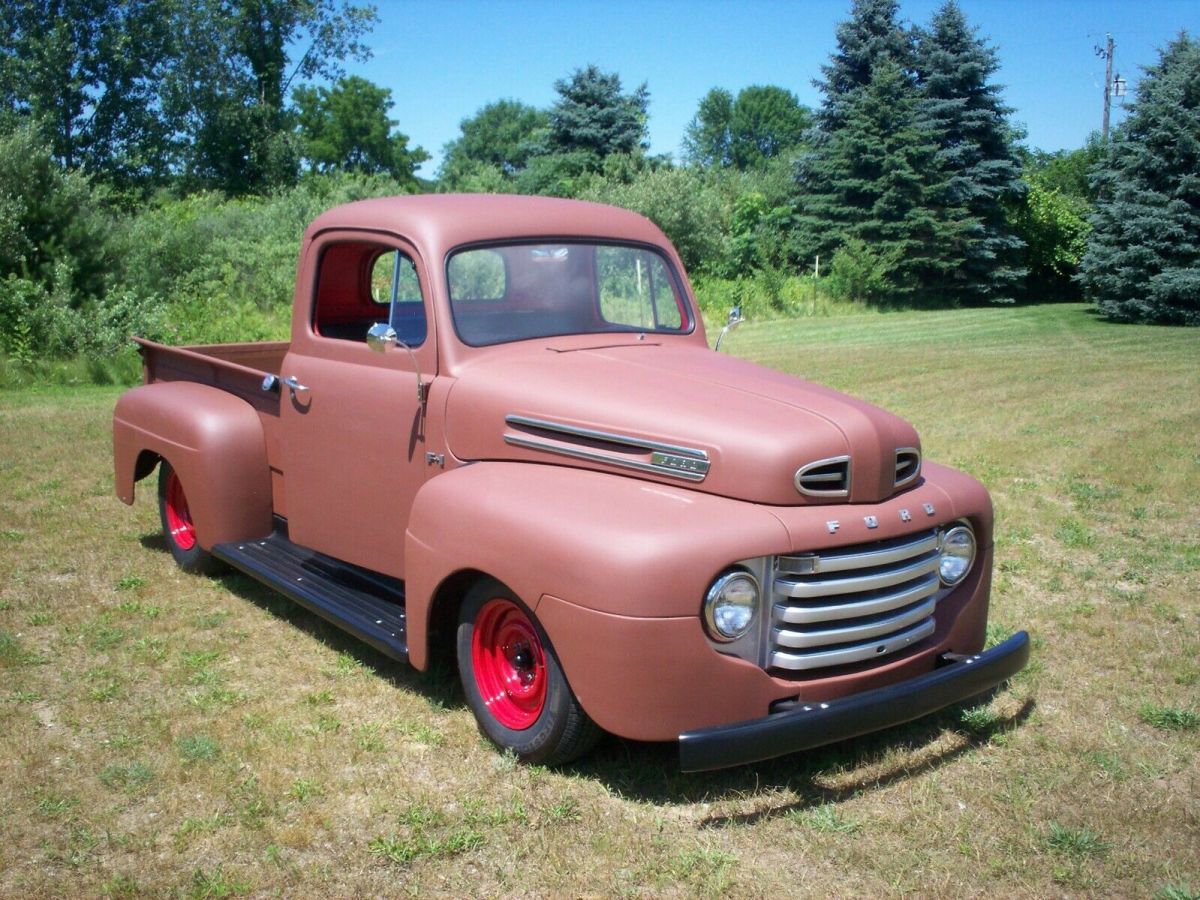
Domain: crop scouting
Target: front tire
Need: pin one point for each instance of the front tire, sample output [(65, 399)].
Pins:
[(179, 531), (514, 683)]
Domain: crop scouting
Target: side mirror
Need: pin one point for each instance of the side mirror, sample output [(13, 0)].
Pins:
[(735, 319), (380, 336)]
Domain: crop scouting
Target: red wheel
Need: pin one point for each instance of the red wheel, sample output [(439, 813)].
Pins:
[(179, 529), (509, 664), (513, 681)]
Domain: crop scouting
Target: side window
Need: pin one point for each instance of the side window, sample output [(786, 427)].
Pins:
[(394, 288), (636, 289), (360, 284)]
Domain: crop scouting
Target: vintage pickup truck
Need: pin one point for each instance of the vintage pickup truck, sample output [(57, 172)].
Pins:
[(498, 433)]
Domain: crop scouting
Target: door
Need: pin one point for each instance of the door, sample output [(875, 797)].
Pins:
[(352, 425)]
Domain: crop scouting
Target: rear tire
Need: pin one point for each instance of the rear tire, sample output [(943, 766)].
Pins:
[(514, 683), (179, 531)]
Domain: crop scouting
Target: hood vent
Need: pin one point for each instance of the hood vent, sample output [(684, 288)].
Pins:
[(825, 478), (908, 466)]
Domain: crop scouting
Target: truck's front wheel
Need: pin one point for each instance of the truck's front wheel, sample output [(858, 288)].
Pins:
[(514, 683), (179, 530)]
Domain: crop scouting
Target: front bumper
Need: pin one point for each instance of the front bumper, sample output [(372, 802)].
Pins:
[(817, 724)]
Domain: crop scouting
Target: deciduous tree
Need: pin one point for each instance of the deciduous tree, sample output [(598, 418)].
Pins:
[(86, 73), (346, 128), (502, 135), (234, 63)]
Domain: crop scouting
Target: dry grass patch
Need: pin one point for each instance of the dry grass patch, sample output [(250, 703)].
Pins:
[(167, 734)]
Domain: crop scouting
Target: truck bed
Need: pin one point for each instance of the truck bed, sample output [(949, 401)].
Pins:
[(236, 368)]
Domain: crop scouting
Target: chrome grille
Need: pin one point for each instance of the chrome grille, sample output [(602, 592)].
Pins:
[(853, 603), (908, 466), (825, 478)]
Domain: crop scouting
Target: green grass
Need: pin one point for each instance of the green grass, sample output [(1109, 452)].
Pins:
[(168, 735)]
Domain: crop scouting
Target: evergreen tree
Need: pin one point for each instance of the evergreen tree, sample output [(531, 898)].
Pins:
[(871, 185), (1143, 258), (969, 124), (871, 37), (593, 118)]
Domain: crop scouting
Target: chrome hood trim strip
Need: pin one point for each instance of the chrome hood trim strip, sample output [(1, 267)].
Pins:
[(655, 457)]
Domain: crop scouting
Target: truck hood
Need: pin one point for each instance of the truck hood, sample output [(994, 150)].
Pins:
[(681, 415)]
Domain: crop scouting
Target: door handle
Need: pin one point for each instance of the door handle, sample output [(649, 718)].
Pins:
[(294, 385)]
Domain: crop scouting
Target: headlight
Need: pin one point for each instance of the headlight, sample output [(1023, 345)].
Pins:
[(957, 554), (730, 605)]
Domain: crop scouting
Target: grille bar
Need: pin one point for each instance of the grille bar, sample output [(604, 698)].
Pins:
[(852, 584), (841, 562), (853, 653), (845, 634), (795, 614)]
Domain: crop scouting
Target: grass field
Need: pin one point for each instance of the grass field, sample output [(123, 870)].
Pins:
[(164, 734)]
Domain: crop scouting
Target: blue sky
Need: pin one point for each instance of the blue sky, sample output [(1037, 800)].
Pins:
[(444, 60)]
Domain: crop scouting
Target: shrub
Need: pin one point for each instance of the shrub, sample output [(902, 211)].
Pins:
[(861, 273)]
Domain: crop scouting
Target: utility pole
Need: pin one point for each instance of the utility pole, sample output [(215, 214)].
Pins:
[(1107, 55)]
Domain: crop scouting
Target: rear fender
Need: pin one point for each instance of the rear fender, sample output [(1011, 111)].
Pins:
[(606, 543), (213, 440)]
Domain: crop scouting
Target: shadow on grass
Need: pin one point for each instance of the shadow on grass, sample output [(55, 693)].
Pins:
[(439, 684), (649, 772)]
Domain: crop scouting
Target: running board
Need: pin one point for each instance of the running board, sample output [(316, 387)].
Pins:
[(367, 605)]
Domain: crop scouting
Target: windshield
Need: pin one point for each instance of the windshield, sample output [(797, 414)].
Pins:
[(520, 291)]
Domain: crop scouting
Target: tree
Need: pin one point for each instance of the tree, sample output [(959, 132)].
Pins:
[(708, 139), (969, 123), (764, 122), (86, 73), (502, 135), (346, 128), (873, 181), (593, 117), (679, 201), (767, 122), (223, 93), (1065, 171), (1143, 255), (1053, 225), (870, 38), (50, 217)]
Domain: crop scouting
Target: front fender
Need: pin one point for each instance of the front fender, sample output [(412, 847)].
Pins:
[(213, 440), (616, 545)]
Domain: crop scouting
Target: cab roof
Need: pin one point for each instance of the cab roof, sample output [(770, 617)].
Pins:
[(438, 223)]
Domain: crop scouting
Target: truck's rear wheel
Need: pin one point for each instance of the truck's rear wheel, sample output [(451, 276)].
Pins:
[(179, 530), (514, 683)]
